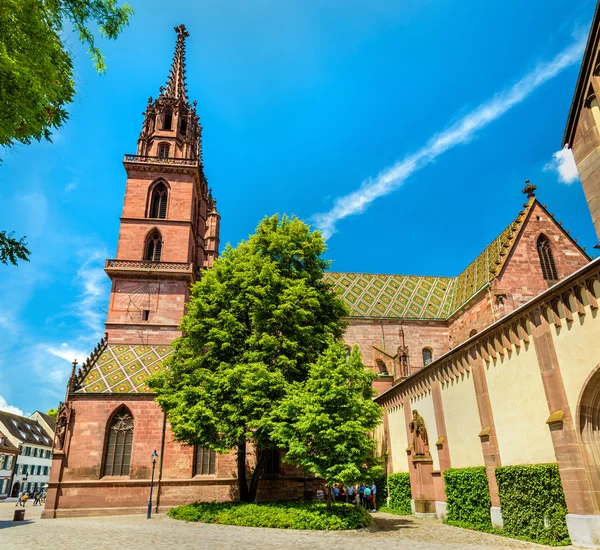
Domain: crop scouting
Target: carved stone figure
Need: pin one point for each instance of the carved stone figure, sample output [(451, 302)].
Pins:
[(61, 430), (420, 441)]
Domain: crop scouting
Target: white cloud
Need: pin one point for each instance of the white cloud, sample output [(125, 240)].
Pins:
[(461, 131), (4, 406), (66, 352), (71, 187), (563, 162)]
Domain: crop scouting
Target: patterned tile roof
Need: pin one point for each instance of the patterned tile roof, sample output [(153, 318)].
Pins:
[(416, 297), (123, 369)]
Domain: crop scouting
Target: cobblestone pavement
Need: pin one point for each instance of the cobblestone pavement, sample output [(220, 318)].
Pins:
[(387, 532)]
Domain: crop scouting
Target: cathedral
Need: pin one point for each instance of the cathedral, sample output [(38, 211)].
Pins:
[(421, 335)]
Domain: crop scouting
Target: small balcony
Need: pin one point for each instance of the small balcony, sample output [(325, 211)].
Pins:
[(181, 270), (139, 159)]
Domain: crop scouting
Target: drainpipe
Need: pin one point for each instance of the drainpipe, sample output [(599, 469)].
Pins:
[(160, 463)]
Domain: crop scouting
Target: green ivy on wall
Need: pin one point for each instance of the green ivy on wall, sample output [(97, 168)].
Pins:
[(533, 503), (468, 498)]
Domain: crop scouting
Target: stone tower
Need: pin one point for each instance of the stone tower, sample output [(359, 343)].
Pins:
[(170, 224)]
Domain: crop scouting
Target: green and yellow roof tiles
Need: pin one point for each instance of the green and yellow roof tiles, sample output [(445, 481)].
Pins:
[(123, 369), (410, 296), (369, 295)]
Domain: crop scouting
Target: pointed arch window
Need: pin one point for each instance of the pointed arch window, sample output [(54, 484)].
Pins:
[(544, 251), (168, 120), (154, 246), (158, 202), (163, 150), (117, 457), (427, 356)]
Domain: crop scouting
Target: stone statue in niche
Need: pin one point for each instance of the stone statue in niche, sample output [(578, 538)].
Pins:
[(420, 442), (61, 429)]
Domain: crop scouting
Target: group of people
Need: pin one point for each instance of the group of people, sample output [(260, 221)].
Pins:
[(37, 496), (361, 495)]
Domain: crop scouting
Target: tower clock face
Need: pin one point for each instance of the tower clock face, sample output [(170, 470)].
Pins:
[(136, 296)]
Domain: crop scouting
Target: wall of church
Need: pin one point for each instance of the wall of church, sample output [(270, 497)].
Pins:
[(477, 315), (462, 421), (521, 278), (578, 359), (137, 194), (398, 438), (520, 409), (384, 333), (424, 405)]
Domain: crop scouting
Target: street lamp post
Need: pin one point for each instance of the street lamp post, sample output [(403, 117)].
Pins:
[(154, 457)]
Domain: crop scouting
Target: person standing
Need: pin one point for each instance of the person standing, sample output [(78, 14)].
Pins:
[(24, 499), (368, 499), (374, 495), (20, 498), (361, 494), (336, 492), (36, 498), (350, 493)]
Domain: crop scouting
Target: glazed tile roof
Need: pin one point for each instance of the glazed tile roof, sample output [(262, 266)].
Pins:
[(123, 369), (417, 297)]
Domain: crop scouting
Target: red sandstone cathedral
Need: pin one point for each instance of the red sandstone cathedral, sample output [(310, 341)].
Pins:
[(109, 424)]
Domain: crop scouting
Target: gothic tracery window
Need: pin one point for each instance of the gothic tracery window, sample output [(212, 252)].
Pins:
[(427, 356), (205, 461), (117, 456), (549, 271), (168, 120), (154, 246), (158, 202)]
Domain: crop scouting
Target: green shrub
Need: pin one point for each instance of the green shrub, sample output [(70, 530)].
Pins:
[(382, 492), (468, 498), (528, 494), (281, 515), (400, 495)]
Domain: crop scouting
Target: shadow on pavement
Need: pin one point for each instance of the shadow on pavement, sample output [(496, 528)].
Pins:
[(391, 523), (5, 524)]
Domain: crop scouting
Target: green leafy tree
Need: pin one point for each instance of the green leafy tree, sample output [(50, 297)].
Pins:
[(11, 249), (325, 423), (254, 324), (36, 71), (52, 412)]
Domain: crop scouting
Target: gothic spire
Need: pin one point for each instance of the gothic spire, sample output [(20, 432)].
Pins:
[(176, 87)]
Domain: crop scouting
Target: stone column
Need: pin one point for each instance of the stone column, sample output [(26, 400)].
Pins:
[(443, 450), (487, 436), (583, 519), (421, 478)]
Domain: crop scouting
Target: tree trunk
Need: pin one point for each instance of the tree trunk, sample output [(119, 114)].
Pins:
[(329, 499), (241, 468), (255, 478)]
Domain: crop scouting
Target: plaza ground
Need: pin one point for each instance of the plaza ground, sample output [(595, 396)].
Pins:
[(387, 532)]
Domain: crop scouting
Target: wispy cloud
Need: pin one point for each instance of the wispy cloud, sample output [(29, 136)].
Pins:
[(94, 283), (564, 164), (461, 131), (4, 406)]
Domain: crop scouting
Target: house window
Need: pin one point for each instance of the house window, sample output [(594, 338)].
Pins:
[(39, 470), (24, 469), (35, 452), (546, 259), (145, 314), (271, 463), (154, 246), (168, 120), (427, 356), (158, 202), (46, 470), (205, 462), (163, 150), (117, 456)]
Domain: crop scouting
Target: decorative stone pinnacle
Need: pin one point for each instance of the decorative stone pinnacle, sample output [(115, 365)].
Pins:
[(529, 189)]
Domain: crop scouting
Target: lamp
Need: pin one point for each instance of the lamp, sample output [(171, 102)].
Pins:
[(154, 457)]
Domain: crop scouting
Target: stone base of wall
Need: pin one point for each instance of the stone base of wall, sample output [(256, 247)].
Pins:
[(440, 510), (496, 513), (584, 530), (95, 498)]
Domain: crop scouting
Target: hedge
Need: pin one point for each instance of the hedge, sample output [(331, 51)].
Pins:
[(533, 503), (468, 498), (280, 515), (400, 495)]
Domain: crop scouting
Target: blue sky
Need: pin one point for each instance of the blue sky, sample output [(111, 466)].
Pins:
[(405, 129)]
